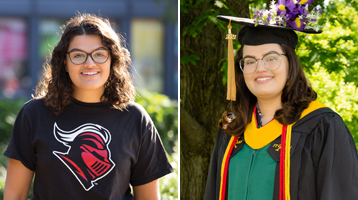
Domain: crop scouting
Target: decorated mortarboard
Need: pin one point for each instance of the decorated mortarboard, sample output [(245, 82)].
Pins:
[(277, 25)]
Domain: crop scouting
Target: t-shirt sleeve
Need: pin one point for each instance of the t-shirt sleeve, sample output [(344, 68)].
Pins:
[(152, 162), (20, 146)]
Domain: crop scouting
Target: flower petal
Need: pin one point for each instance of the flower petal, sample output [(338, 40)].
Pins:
[(290, 5), (297, 24), (304, 2), (283, 2), (282, 7)]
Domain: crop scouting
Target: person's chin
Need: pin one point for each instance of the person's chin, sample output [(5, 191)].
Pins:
[(264, 93)]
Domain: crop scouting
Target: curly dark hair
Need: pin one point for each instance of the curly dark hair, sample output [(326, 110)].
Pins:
[(56, 86), (297, 94)]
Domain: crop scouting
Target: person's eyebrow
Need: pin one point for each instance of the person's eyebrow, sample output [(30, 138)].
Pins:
[(76, 49), (270, 52), (249, 56)]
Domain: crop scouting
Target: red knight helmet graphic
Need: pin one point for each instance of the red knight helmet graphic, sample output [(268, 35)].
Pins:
[(88, 156)]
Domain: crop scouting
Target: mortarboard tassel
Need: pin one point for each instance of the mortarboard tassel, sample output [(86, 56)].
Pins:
[(231, 86)]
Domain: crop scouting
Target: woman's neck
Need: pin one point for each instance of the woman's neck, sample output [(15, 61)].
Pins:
[(88, 96), (268, 109)]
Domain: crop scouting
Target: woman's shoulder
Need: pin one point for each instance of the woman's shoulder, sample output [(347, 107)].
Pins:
[(34, 111), (222, 138), (322, 117), (35, 105), (135, 110)]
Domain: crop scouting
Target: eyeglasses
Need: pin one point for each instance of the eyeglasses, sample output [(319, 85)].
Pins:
[(99, 56), (270, 61)]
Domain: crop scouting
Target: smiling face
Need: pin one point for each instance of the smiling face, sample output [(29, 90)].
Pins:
[(89, 77), (263, 83)]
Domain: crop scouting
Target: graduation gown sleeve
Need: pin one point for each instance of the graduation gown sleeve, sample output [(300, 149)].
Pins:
[(335, 159), (213, 181)]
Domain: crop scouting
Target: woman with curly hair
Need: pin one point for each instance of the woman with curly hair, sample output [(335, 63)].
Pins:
[(82, 135), (279, 142)]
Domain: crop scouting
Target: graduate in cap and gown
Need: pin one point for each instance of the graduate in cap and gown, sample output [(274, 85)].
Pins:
[(279, 142)]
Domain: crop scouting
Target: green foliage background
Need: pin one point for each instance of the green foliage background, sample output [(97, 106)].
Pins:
[(330, 60), (162, 110)]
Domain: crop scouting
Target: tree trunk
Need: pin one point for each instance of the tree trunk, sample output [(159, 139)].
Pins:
[(203, 97)]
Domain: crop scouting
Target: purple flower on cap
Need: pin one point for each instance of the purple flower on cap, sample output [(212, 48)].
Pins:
[(289, 13), (290, 5), (297, 24), (304, 2)]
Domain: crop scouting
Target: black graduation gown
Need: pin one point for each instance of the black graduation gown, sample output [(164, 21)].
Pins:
[(324, 161)]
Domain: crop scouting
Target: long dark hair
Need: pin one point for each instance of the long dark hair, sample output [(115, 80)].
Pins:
[(297, 94), (56, 86)]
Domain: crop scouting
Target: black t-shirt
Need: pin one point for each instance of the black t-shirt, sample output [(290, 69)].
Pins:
[(89, 151)]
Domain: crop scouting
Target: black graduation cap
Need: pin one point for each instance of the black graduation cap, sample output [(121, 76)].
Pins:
[(256, 34), (259, 31)]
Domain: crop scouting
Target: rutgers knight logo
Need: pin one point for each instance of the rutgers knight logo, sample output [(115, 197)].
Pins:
[(88, 156)]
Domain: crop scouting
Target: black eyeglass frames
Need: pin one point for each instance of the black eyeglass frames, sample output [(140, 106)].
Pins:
[(99, 56)]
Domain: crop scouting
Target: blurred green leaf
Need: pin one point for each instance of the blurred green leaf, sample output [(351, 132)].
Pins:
[(335, 93)]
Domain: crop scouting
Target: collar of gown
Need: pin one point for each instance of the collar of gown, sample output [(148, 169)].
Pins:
[(258, 138)]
